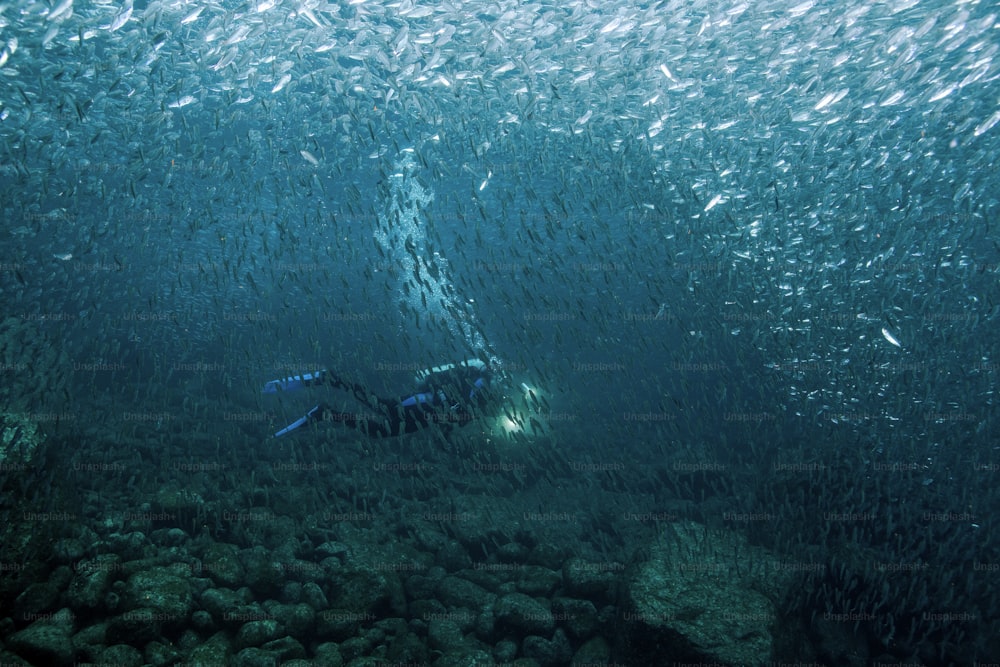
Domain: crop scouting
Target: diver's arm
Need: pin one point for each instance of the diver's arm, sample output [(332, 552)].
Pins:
[(441, 374), (296, 382), (313, 415)]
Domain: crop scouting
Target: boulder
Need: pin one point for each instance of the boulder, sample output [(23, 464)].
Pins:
[(698, 598), (47, 641)]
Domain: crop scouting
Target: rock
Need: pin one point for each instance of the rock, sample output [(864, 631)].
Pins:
[(167, 537), (393, 626), (466, 658), (420, 587), (355, 648), (256, 633), (254, 657), (67, 550), (314, 596), (166, 591), (297, 619), (368, 591), (452, 556), (424, 610), (457, 592), (546, 652), (537, 580), (505, 651), (47, 641), (335, 549), (20, 440), (35, 600), (91, 640), (328, 655), (291, 592), (485, 575), (546, 555), (593, 652), (303, 571), (8, 659), (221, 562), (135, 626), (340, 625), (285, 649), (579, 617), (523, 614), (203, 622), (121, 655), (89, 588), (485, 625), (593, 581), (444, 635), (407, 649), (264, 572), (512, 552), (159, 654), (690, 601), (228, 607), (130, 546), (215, 651), (176, 502), (189, 640)]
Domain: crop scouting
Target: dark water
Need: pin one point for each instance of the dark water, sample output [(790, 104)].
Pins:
[(745, 253)]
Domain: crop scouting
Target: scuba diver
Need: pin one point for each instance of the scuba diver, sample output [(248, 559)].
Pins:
[(448, 395)]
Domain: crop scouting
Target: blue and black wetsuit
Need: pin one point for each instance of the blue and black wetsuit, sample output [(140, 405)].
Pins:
[(448, 398)]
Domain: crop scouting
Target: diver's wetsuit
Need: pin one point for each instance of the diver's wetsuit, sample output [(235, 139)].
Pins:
[(447, 398)]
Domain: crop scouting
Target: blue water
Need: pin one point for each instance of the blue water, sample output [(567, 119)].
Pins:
[(746, 252)]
